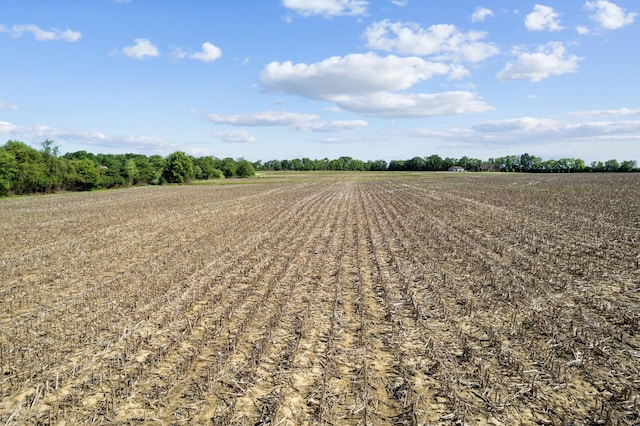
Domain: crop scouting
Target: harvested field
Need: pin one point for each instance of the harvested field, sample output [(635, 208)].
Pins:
[(334, 299)]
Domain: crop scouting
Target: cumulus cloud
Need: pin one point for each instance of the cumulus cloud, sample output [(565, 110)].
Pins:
[(140, 49), (297, 121), (368, 84), (445, 41), (327, 8), (235, 136), (480, 14), (548, 60), (349, 75), (400, 3), (52, 34), (543, 18), (608, 15), (210, 52)]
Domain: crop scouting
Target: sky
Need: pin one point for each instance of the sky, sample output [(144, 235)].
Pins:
[(369, 79)]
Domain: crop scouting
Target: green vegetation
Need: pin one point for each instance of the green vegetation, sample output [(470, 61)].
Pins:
[(511, 163), (26, 170)]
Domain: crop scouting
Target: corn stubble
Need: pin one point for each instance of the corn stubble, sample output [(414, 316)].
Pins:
[(343, 299)]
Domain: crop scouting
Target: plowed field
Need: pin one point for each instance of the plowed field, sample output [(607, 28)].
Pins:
[(338, 299)]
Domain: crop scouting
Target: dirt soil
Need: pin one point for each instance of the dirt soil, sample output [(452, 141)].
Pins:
[(332, 299)]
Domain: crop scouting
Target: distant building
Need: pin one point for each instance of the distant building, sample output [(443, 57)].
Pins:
[(456, 169)]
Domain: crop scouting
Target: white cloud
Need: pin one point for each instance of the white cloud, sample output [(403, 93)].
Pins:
[(79, 139), (53, 34), (444, 40), (621, 112), (235, 136), (327, 8), (7, 106), (458, 72), (210, 52), (542, 18), (332, 126), (367, 84), (527, 130), (8, 128), (582, 30), (352, 74), (402, 105), (297, 121), (523, 124), (47, 132), (480, 14), (548, 60), (609, 15), (142, 47), (400, 3), (515, 133), (268, 118)]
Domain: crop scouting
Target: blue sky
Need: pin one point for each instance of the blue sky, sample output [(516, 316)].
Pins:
[(376, 79)]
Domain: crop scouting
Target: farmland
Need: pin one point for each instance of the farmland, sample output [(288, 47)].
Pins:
[(344, 299)]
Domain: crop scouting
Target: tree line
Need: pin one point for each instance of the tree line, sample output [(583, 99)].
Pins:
[(26, 170), (511, 163)]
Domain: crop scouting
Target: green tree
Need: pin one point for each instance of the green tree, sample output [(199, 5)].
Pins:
[(131, 172), (245, 169), (178, 168), (396, 165), (157, 164), (377, 165), (31, 173), (207, 168), (83, 175), (416, 164), (8, 170), (229, 167), (112, 166), (611, 165), (628, 166), (434, 162)]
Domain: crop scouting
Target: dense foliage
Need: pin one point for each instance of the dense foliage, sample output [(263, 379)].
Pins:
[(511, 163), (26, 170)]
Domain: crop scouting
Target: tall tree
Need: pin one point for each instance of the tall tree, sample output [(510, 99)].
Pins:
[(178, 168), (245, 169)]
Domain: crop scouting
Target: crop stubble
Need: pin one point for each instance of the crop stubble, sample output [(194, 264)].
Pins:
[(342, 299)]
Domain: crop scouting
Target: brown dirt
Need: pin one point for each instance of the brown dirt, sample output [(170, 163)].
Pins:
[(404, 299)]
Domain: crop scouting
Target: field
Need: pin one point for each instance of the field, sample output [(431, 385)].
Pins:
[(329, 299)]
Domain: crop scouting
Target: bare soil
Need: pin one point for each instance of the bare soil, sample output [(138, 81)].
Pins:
[(332, 299)]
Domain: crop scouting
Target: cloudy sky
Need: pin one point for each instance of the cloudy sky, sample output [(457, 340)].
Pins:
[(371, 79)]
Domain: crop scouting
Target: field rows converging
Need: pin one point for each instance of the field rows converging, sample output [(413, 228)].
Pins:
[(341, 299)]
